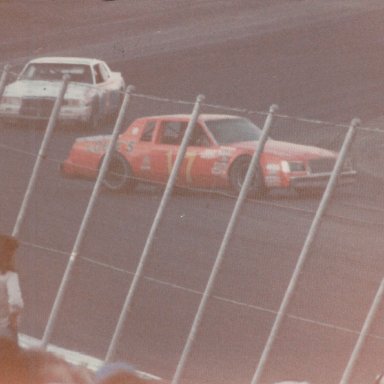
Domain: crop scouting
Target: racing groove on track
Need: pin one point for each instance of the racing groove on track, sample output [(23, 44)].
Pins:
[(344, 266)]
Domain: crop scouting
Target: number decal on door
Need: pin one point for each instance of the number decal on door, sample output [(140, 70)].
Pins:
[(189, 157)]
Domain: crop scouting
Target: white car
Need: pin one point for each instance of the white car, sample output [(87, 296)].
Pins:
[(94, 92)]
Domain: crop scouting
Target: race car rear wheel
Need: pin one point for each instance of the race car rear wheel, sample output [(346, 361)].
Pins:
[(119, 176), (237, 175)]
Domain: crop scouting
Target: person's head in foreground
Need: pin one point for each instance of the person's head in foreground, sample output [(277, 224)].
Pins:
[(35, 366), (118, 373)]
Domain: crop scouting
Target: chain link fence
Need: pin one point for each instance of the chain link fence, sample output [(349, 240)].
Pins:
[(143, 246)]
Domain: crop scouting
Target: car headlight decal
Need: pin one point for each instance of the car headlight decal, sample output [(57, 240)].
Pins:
[(272, 168), (292, 166)]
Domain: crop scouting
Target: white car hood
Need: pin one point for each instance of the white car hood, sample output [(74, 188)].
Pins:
[(288, 151), (37, 88)]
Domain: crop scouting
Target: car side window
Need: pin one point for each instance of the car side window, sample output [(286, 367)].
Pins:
[(80, 74), (104, 71), (199, 138), (148, 131), (98, 75), (30, 72), (172, 132)]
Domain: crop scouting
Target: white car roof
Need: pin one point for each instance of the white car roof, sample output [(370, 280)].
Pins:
[(66, 60)]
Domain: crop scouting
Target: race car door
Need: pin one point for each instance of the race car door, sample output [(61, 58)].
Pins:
[(194, 170), (108, 89), (200, 159)]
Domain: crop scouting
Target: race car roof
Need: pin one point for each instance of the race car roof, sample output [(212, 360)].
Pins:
[(66, 60)]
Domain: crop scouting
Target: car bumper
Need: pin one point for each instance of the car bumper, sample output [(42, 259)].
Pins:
[(69, 169), (321, 181), (66, 114)]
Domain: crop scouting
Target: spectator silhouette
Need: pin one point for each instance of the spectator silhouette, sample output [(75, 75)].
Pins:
[(11, 301), (12, 369), (37, 366), (45, 367), (118, 373)]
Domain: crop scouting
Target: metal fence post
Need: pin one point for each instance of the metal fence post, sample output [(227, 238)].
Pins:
[(3, 78), (363, 334), (41, 156), (81, 234), (159, 214), (231, 225), (308, 242)]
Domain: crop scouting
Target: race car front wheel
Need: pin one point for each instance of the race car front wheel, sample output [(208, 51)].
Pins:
[(237, 174), (119, 176)]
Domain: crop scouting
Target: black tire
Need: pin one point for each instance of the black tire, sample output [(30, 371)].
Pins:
[(237, 174), (119, 176)]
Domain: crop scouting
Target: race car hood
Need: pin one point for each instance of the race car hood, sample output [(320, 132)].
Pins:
[(94, 139), (288, 151), (36, 88), (95, 144)]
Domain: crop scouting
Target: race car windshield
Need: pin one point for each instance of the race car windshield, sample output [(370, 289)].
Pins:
[(55, 72), (226, 131)]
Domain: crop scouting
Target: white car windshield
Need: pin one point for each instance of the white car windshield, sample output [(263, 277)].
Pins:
[(55, 72), (233, 130)]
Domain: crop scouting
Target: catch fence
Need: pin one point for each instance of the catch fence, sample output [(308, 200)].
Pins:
[(186, 260)]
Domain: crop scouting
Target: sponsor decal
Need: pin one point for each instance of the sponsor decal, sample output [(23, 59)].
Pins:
[(209, 154), (272, 168), (96, 147), (272, 181), (93, 138), (223, 153), (135, 131), (226, 151), (218, 168), (146, 164), (126, 146), (130, 146), (188, 160)]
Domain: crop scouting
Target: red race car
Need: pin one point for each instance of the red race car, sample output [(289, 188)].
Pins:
[(218, 155)]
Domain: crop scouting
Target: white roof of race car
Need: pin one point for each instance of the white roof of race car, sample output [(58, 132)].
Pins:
[(66, 60)]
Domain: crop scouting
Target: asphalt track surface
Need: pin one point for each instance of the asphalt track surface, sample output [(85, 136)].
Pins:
[(316, 59)]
